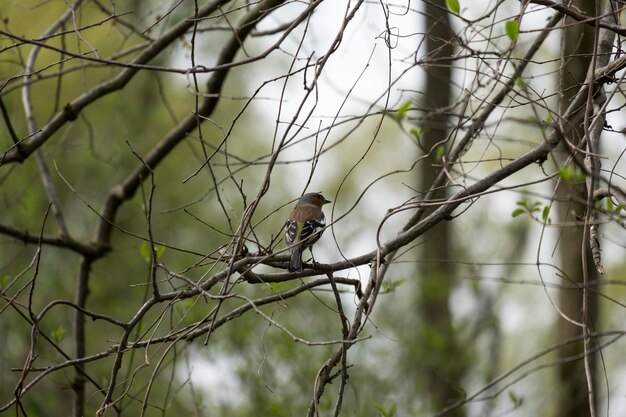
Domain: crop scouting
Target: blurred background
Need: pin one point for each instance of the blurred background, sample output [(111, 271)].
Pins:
[(145, 144)]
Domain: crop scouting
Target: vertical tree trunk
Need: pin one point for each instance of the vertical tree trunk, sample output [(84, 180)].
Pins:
[(572, 384), (440, 366)]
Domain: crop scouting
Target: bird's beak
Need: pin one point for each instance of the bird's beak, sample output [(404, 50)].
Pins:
[(326, 201)]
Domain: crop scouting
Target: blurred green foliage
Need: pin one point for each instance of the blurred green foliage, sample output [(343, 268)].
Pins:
[(249, 366)]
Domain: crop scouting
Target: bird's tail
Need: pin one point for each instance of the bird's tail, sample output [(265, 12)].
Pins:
[(295, 264)]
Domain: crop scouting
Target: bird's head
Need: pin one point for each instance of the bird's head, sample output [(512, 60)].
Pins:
[(316, 199)]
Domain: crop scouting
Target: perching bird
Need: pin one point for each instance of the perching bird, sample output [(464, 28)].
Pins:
[(304, 227)]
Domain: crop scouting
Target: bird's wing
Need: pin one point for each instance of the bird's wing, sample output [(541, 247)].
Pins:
[(311, 227), (291, 232)]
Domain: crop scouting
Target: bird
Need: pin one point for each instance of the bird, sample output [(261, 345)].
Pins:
[(304, 227)]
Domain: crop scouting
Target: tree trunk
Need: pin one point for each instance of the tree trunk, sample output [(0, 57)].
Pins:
[(572, 386), (440, 366)]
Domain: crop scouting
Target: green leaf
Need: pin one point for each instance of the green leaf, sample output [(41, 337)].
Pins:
[(453, 6), (4, 281), (517, 212), (517, 401), (417, 132), (566, 173), (399, 282), (390, 412), (512, 29), (610, 206), (572, 174), (545, 214), (403, 109), (580, 175), (57, 334), (145, 251), (279, 286), (159, 249), (519, 82), (441, 151), (391, 285)]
